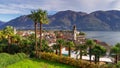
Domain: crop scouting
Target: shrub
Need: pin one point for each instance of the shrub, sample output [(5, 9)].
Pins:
[(67, 60), (74, 62), (7, 59), (118, 64)]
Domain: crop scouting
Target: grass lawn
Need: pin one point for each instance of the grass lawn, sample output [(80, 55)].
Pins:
[(7, 59), (33, 63)]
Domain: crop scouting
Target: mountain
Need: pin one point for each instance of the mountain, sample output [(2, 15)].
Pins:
[(98, 20), (1, 22), (22, 22), (111, 18)]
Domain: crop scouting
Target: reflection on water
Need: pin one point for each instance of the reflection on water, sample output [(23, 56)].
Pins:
[(109, 37)]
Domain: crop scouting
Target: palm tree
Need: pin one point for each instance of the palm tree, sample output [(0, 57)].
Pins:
[(42, 19), (81, 49), (115, 51), (0, 34), (8, 32), (56, 47), (90, 43), (34, 17), (69, 44), (60, 42), (16, 39), (118, 45), (98, 51)]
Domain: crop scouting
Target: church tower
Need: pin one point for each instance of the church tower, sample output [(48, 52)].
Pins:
[(74, 33), (14, 29)]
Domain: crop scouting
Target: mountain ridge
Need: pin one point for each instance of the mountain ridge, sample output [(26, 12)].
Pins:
[(64, 20), (1, 22)]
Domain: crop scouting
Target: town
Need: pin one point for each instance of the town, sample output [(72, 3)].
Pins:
[(76, 36), (40, 48)]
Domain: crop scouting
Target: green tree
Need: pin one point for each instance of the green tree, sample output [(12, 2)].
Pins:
[(118, 45), (98, 51), (69, 44), (3, 47), (45, 47), (1, 35), (26, 46), (15, 39), (8, 32), (81, 49), (56, 47), (60, 42), (42, 19), (90, 43), (31, 37), (3, 42), (116, 51), (34, 17)]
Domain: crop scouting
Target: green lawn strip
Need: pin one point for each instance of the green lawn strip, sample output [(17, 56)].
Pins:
[(7, 59), (34, 63)]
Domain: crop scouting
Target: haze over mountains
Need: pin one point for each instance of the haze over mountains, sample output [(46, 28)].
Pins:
[(98, 20)]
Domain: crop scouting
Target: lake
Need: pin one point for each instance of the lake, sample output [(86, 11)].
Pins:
[(110, 37)]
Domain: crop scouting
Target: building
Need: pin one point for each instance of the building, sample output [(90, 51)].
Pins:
[(78, 37), (74, 35)]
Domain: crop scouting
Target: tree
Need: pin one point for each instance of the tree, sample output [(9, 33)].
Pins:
[(90, 43), (115, 51), (1, 35), (60, 42), (56, 47), (42, 19), (69, 44), (81, 49), (15, 39), (118, 45), (3, 42), (8, 32), (26, 46), (34, 17), (98, 51), (45, 47)]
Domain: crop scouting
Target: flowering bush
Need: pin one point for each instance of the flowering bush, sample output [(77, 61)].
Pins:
[(67, 60)]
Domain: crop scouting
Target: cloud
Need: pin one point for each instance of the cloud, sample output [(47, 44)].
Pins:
[(116, 4), (9, 11), (25, 6)]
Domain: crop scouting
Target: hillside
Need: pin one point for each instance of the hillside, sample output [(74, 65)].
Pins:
[(1, 22), (98, 20)]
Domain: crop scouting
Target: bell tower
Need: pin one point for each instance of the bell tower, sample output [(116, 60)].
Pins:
[(74, 33), (14, 30)]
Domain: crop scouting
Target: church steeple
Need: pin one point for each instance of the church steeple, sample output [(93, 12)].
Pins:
[(74, 32), (74, 27), (14, 30)]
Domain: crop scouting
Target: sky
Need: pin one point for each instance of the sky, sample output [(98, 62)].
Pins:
[(10, 9)]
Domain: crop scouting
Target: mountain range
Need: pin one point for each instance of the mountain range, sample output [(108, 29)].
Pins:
[(1, 22), (95, 21)]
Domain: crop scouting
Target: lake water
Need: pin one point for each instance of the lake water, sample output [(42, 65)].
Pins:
[(110, 37)]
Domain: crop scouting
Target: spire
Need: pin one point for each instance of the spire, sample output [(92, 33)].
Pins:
[(14, 30), (74, 27), (74, 32)]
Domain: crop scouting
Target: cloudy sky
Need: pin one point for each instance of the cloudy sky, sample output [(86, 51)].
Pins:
[(10, 9)]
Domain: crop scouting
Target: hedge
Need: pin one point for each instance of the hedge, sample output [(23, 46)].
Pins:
[(67, 60), (77, 63)]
